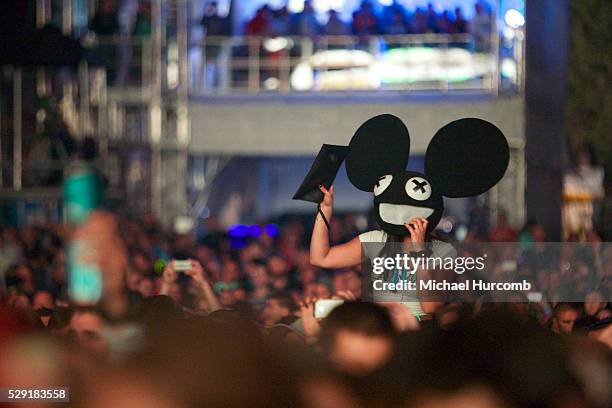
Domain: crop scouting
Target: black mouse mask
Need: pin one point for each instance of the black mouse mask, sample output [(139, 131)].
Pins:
[(465, 158)]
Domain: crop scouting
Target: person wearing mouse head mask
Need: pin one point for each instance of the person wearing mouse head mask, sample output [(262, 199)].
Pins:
[(465, 158)]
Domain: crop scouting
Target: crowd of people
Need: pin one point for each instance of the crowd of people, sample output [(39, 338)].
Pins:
[(394, 19), (119, 27), (237, 326)]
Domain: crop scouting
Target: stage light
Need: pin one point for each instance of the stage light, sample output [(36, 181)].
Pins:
[(272, 230), (183, 225), (446, 225), (509, 69), (514, 18), (323, 6), (238, 230), (461, 233), (295, 6), (255, 230)]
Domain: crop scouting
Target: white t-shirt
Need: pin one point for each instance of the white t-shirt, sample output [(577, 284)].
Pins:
[(439, 249)]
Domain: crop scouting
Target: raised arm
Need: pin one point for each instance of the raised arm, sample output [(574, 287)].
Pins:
[(418, 230), (321, 254), (198, 275)]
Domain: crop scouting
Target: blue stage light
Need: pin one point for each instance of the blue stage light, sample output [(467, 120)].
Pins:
[(238, 230), (272, 230), (255, 230)]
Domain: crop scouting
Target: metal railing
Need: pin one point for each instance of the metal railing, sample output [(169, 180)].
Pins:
[(336, 63), (283, 65), (437, 62), (71, 101), (127, 59)]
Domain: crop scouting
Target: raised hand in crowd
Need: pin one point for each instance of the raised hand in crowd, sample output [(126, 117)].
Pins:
[(198, 275), (312, 327), (102, 245)]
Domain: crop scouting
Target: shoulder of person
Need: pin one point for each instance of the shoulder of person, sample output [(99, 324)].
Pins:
[(373, 236)]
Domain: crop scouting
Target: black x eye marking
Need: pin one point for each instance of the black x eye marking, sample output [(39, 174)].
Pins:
[(420, 186)]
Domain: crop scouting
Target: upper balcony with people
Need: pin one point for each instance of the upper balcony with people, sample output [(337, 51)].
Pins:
[(297, 46)]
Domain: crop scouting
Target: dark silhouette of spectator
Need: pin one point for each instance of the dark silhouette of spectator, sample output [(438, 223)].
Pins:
[(142, 26), (480, 28), (432, 19), (391, 10), (280, 23), (419, 24), (398, 24), (86, 325), (365, 21), (335, 26), (105, 21), (305, 23), (278, 307), (564, 317), (503, 231), (358, 338), (214, 26), (445, 23), (213, 23), (461, 24), (259, 25), (105, 24)]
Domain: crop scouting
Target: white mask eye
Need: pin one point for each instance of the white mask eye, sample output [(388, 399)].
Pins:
[(382, 184), (418, 188)]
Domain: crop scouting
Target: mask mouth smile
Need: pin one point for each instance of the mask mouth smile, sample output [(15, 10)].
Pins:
[(400, 214)]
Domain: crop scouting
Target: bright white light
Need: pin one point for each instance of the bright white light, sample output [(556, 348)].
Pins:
[(183, 224), (172, 71), (445, 225), (271, 84), (302, 77), (385, 2), (509, 69), (514, 18), (276, 44), (508, 33), (295, 6), (323, 6)]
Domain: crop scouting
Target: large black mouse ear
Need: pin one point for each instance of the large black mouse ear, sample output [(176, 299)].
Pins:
[(380, 146), (466, 157)]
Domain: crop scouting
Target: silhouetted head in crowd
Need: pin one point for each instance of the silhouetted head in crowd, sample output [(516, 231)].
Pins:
[(564, 317), (308, 6), (160, 307), (279, 306), (86, 324), (44, 315), (357, 337), (217, 361), (42, 300), (594, 302), (59, 323)]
